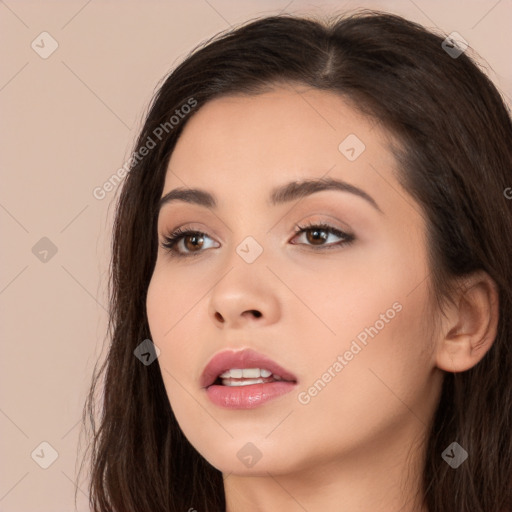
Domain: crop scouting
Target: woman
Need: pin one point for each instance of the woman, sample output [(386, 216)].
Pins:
[(311, 288)]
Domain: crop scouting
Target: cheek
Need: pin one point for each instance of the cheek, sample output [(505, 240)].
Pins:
[(172, 311), (374, 309), (376, 384), (175, 324), (173, 295), (341, 296)]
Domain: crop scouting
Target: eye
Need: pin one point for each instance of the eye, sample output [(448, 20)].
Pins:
[(319, 233), (188, 239), (183, 243)]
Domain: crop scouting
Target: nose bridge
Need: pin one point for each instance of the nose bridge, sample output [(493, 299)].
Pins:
[(248, 234), (245, 283), (246, 264)]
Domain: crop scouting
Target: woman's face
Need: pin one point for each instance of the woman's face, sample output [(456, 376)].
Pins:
[(345, 314)]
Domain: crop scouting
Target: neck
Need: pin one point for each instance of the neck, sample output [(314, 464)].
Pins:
[(385, 478)]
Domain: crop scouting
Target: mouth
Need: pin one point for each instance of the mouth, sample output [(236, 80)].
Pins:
[(243, 368), (245, 379)]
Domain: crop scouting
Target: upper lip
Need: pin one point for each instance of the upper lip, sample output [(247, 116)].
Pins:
[(246, 358)]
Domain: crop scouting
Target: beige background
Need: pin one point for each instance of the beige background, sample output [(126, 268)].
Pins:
[(68, 123)]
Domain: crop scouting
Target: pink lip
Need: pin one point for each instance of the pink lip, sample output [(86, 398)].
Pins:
[(244, 397), (246, 358)]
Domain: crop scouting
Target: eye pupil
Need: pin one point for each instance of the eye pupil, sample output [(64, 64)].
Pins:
[(315, 238), (194, 237)]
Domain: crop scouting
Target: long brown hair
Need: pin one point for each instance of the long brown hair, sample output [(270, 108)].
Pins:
[(455, 159)]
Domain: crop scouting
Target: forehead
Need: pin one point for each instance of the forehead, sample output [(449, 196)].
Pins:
[(256, 142)]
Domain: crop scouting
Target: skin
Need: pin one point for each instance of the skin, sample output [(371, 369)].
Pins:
[(357, 445)]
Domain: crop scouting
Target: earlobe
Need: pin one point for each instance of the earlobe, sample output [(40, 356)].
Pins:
[(470, 325)]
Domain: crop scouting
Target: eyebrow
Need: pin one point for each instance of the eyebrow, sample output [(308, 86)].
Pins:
[(279, 195)]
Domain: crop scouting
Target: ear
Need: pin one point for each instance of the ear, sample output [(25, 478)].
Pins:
[(470, 325)]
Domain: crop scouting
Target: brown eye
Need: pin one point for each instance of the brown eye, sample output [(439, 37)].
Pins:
[(195, 240), (183, 243), (317, 235)]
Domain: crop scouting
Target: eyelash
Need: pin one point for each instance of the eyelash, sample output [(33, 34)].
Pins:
[(171, 240)]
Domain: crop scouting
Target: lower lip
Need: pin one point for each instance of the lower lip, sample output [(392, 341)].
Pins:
[(247, 397)]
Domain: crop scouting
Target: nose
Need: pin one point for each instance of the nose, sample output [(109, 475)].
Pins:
[(250, 313), (245, 296)]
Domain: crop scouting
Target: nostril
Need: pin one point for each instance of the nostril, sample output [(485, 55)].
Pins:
[(254, 312)]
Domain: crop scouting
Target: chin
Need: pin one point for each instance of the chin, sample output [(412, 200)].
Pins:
[(242, 457)]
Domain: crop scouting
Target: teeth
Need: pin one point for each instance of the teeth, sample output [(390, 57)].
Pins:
[(246, 373), (251, 373), (245, 382)]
